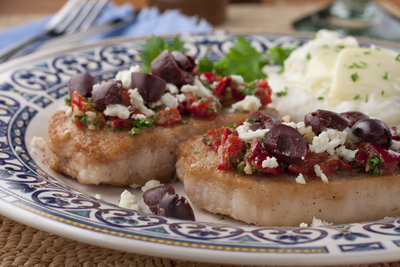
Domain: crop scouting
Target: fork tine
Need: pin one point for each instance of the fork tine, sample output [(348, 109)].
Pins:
[(74, 12), (86, 10), (97, 8), (60, 15)]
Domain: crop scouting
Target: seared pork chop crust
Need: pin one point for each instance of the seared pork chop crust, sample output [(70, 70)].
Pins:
[(279, 201), (114, 157)]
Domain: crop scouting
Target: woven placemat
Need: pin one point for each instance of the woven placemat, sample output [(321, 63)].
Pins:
[(21, 245)]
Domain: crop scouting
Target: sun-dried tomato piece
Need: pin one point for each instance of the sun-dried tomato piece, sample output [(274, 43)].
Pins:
[(232, 150), (213, 138), (264, 92), (168, 116), (81, 102), (203, 108), (307, 167), (332, 165), (220, 89)]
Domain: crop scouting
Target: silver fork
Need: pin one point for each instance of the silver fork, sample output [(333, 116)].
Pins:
[(75, 15)]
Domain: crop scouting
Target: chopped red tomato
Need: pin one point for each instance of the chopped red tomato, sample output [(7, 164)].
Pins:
[(210, 77), (395, 133), (231, 152), (220, 89), (202, 108), (308, 166), (253, 151), (168, 116), (376, 159), (81, 102), (333, 164), (263, 92), (126, 99), (118, 123), (236, 92), (213, 138)]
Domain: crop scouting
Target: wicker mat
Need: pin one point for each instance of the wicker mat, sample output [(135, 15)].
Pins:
[(21, 245)]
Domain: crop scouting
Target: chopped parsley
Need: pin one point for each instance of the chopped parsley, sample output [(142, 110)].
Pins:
[(139, 124), (321, 98), (67, 100), (196, 152), (367, 53), (383, 92), (386, 76), (325, 46), (339, 47), (250, 120), (282, 93), (222, 218), (360, 65), (82, 118), (183, 121), (354, 77), (398, 57), (374, 161), (366, 99), (356, 97), (308, 57)]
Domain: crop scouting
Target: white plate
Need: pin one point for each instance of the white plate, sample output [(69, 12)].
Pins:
[(33, 89)]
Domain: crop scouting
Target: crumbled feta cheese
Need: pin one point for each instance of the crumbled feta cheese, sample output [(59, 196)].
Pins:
[(286, 118), (125, 76), (303, 224), (117, 110), (345, 153), (237, 78), (395, 145), (139, 116), (172, 88), (135, 186), (97, 196), (169, 100), (295, 125), (128, 201), (66, 109), (300, 179), (318, 223), (249, 103), (153, 105), (202, 90), (319, 173), (181, 98), (95, 86), (151, 184), (137, 102), (328, 140), (188, 88), (38, 142), (270, 162), (247, 135)]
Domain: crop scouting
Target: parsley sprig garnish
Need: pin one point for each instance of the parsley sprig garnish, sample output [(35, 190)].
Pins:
[(139, 124)]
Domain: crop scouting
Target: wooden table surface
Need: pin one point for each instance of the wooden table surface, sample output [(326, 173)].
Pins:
[(21, 245)]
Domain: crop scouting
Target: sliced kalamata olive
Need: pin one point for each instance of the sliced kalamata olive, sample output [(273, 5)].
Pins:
[(184, 62), (150, 87), (165, 67), (286, 144), (262, 120), (324, 118), (83, 83), (153, 196), (175, 207), (106, 94), (354, 116), (373, 131)]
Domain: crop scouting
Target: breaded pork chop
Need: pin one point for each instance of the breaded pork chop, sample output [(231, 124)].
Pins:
[(114, 157), (280, 201)]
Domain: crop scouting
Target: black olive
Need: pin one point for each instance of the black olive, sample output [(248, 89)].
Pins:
[(153, 196), (262, 120), (175, 207), (324, 118), (373, 131), (150, 87), (106, 94), (354, 116), (82, 83)]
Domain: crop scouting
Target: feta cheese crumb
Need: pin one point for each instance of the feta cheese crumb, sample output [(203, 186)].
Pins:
[(303, 224), (270, 162), (95, 86), (137, 102), (247, 135), (172, 88), (249, 103), (125, 76), (117, 110), (128, 201), (135, 186), (169, 100), (202, 90), (188, 88), (66, 109), (38, 142), (395, 145), (318, 223), (237, 78), (97, 196), (181, 98), (328, 140), (345, 153), (300, 179), (151, 184), (319, 173)]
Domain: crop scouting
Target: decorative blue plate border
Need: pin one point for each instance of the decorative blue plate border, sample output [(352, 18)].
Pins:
[(32, 196)]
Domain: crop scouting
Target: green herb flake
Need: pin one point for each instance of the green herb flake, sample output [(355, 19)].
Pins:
[(354, 77), (339, 47), (386, 76), (366, 98), (251, 120), (139, 124), (68, 100), (321, 98), (308, 57), (196, 152), (398, 133), (222, 218), (383, 92), (325, 46), (82, 118), (367, 53), (282, 93), (398, 57), (183, 121), (356, 97)]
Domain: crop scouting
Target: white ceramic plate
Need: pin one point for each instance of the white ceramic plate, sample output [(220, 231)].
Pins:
[(33, 89)]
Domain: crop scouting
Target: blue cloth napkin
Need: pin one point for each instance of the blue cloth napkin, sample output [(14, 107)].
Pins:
[(148, 22)]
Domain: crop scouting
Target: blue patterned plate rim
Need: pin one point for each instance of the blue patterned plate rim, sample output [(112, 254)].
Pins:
[(31, 90)]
